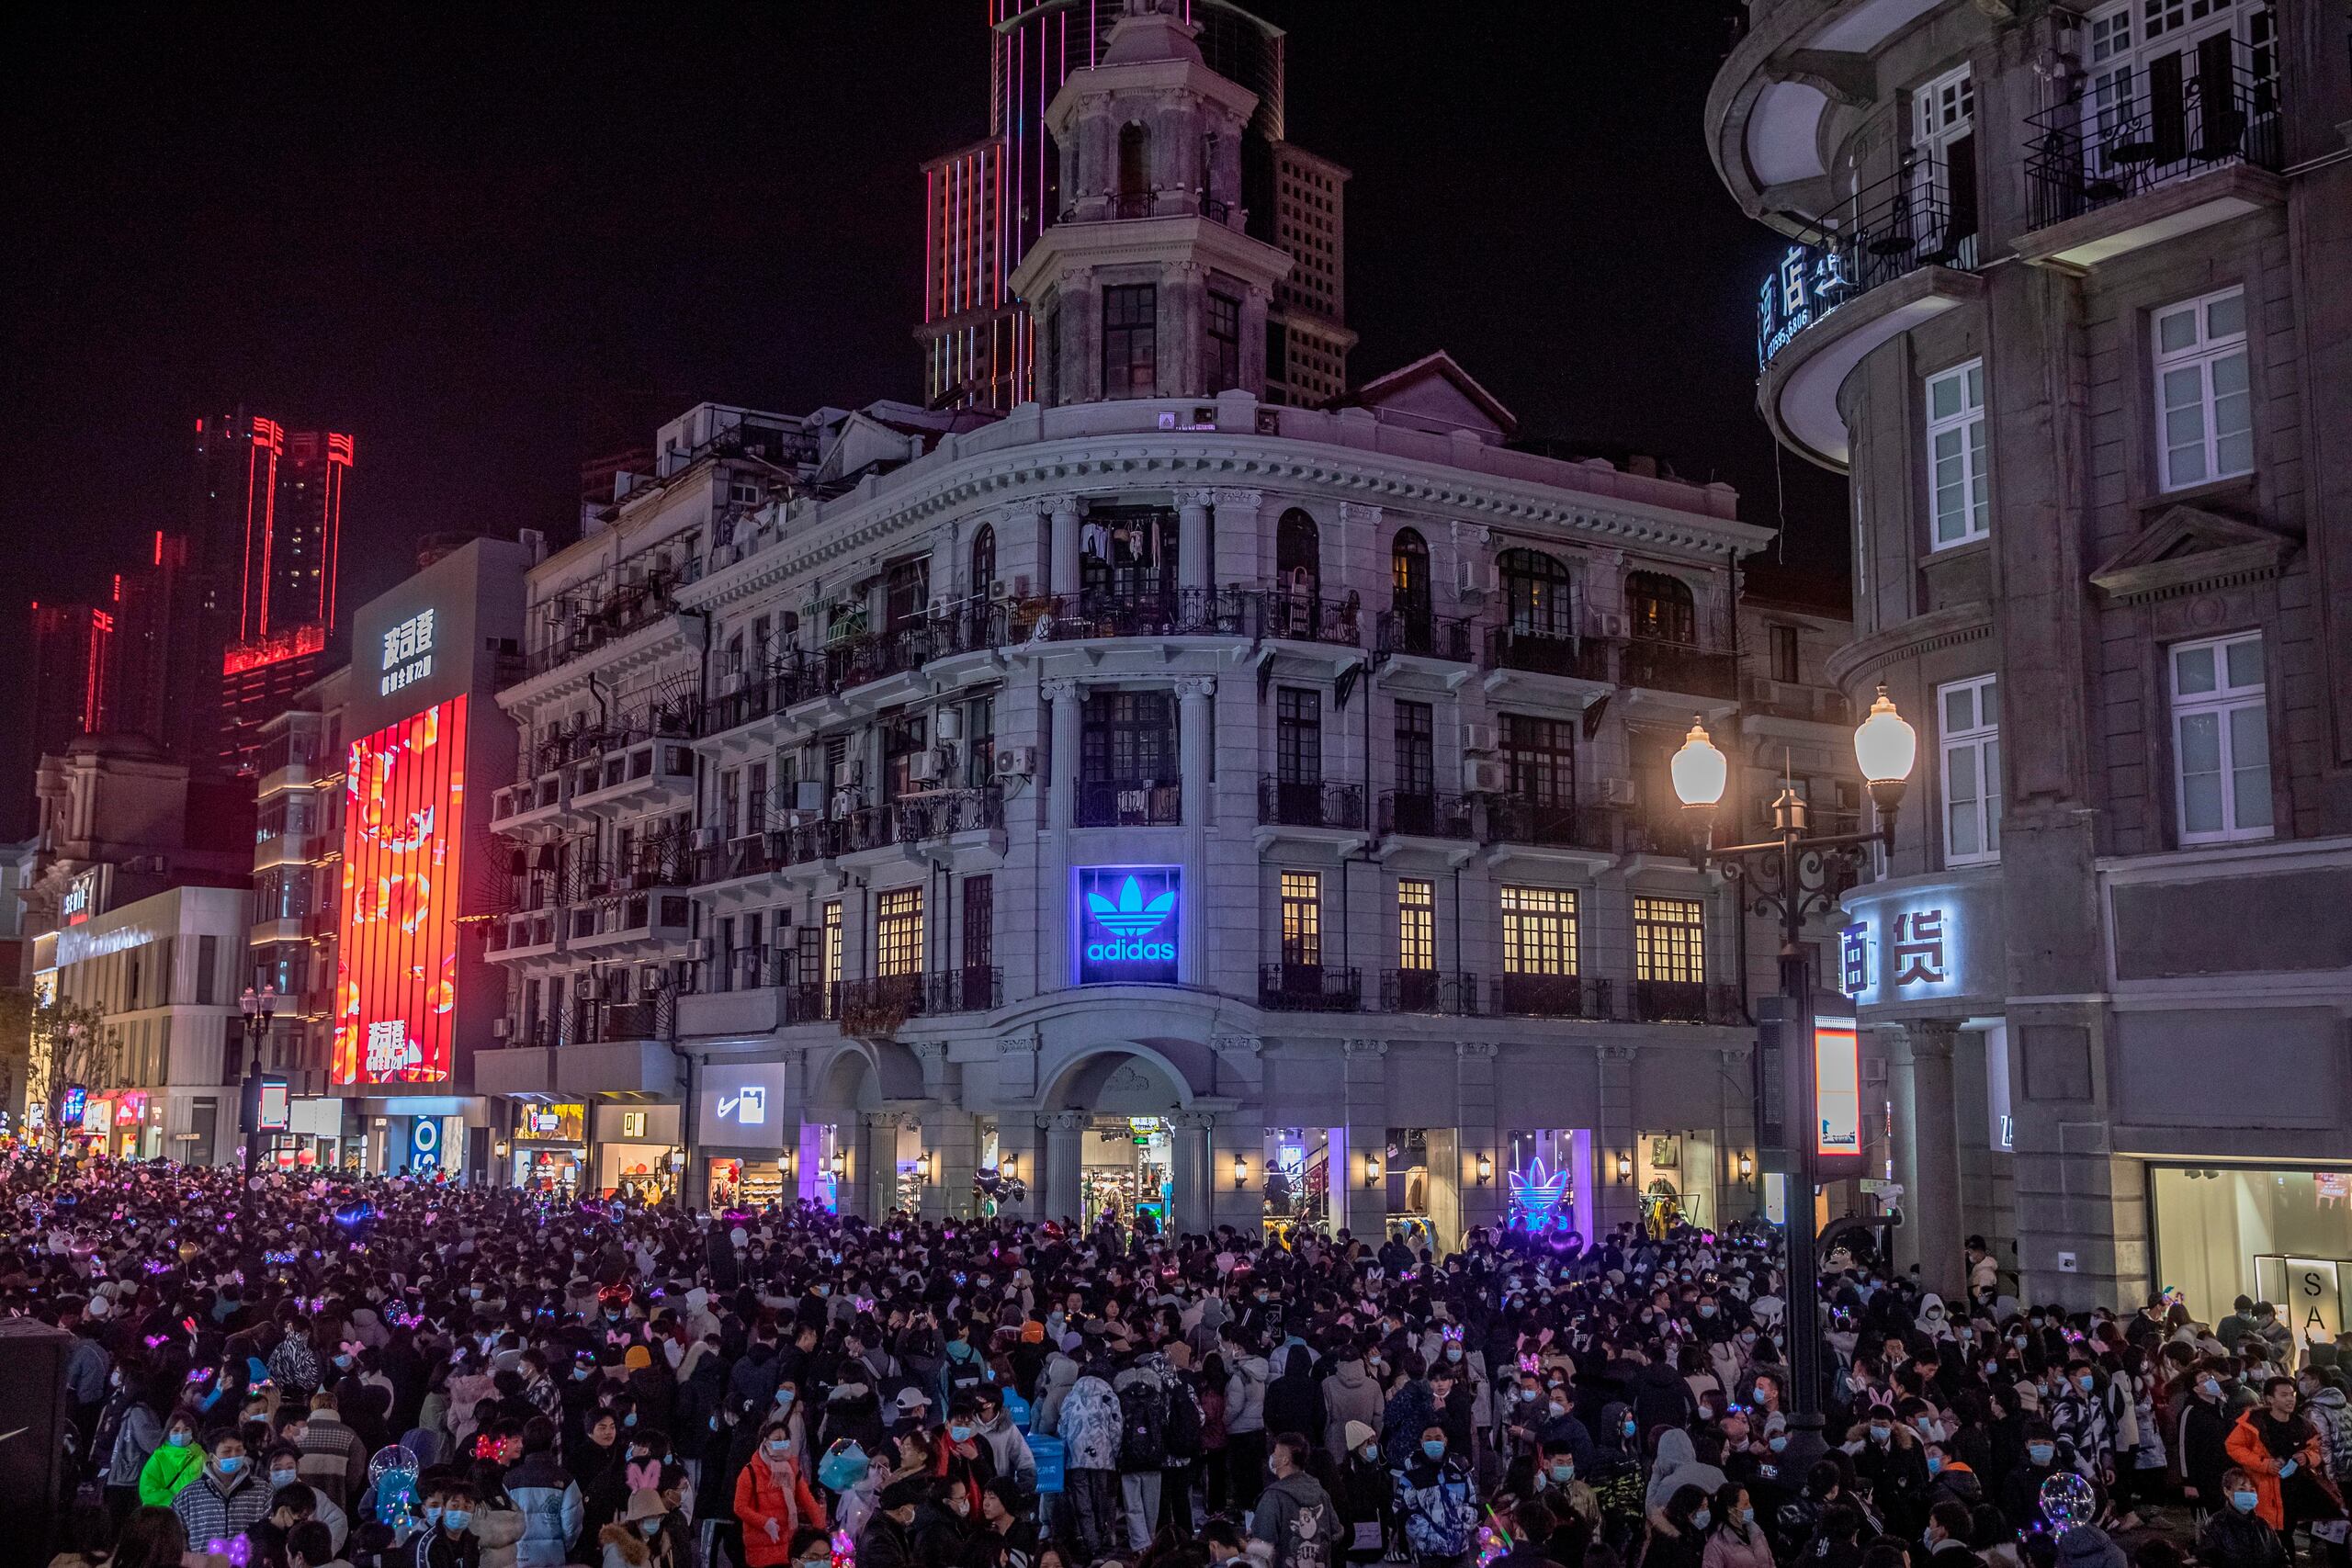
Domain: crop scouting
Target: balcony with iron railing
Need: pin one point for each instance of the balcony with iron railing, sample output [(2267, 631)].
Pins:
[(2207, 107), (1550, 996), (879, 1004), (1145, 608), (1686, 1001), (1654, 665), (1923, 214), (1127, 803), (1548, 652), (1428, 991), (1510, 819), (610, 616), (1310, 617), (911, 819), (1419, 815), (1418, 634), (1304, 802), (1309, 987)]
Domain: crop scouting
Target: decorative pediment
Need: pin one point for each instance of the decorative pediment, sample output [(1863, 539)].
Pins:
[(2190, 550)]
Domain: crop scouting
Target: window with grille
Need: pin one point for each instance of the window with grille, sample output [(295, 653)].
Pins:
[(1416, 749), (2221, 740), (1539, 930), (1298, 735), (1130, 340), (1416, 924), (1962, 505), (979, 922), (1669, 944), (1537, 594), (898, 932), (1301, 918), (2204, 396), (1661, 608), (1969, 714)]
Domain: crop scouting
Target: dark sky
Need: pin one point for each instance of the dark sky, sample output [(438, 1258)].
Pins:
[(464, 242)]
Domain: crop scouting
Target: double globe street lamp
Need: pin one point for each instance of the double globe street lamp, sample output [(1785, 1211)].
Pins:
[(1796, 875)]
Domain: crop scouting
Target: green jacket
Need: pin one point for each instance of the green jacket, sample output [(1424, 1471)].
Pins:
[(168, 1470)]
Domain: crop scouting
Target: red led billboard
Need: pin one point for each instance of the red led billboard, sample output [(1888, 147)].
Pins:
[(396, 986)]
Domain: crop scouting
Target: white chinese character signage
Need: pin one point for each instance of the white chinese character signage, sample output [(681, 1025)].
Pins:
[(1805, 287), (1901, 953), (408, 653)]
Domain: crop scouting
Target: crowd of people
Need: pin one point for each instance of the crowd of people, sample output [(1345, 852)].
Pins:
[(317, 1372)]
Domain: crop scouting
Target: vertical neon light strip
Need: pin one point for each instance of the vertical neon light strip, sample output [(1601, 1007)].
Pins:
[(340, 453), (927, 253), (402, 868), (245, 575)]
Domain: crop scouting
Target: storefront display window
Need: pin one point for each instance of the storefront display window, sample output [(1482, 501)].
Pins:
[(1547, 1179), (1407, 1171), (1128, 1169), (1298, 1176), (2283, 1235)]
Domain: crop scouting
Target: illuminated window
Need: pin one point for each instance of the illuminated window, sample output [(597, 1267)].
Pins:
[(1956, 478), (2221, 740), (1669, 944), (898, 932), (1416, 924), (1539, 930), (1302, 894), (832, 944), (2204, 400), (1970, 712)]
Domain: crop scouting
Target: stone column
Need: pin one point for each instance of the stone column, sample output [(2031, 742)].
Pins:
[(1061, 802), (878, 1164), (1195, 737), (1194, 570), (1065, 1149), (1474, 1071), (1930, 1160), (1194, 1172), (1615, 1202), (1366, 1207), (1066, 510)]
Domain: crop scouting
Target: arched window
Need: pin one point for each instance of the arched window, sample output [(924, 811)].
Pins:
[(1661, 608), (983, 559), (1537, 589), (1134, 161), (1298, 561), (1408, 572)]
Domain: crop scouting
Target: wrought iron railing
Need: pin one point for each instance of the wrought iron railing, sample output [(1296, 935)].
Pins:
[(1309, 987), (1551, 995), (1295, 802), (1677, 667), (1428, 991), (1134, 803), (1924, 214), (2180, 113), (1685, 1001), (1427, 816), (1547, 652), (1513, 820), (1421, 635)]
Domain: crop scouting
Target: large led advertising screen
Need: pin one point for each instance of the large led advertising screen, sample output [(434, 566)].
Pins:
[(396, 987)]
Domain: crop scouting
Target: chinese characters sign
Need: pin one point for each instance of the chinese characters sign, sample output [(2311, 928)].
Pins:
[(1916, 958), (397, 975), (1805, 287), (1127, 923), (408, 653)]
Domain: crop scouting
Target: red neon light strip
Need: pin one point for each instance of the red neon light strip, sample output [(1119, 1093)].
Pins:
[(268, 536), (245, 580)]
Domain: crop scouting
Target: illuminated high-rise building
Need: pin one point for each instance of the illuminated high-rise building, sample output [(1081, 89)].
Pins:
[(986, 203), (68, 672)]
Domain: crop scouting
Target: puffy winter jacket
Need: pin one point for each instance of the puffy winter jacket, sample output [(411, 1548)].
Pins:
[(1245, 1395), (167, 1472), (1090, 1424), (551, 1508), (1349, 1394), (762, 1499)]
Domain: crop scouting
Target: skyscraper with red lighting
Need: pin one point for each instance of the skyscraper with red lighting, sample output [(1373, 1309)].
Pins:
[(69, 645)]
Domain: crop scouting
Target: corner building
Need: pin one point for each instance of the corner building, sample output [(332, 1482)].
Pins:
[(2066, 300), (1156, 796)]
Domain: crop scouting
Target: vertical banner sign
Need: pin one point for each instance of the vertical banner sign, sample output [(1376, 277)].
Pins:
[(1838, 1088), (1127, 924), (424, 1146), (396, 983)]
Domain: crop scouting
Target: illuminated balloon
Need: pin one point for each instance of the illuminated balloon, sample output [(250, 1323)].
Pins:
[(2068, 1501)]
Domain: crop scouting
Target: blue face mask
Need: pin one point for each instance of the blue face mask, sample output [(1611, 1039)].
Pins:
[(960, 1434), (229, 1464), (1935, 1463), (1564, 1472), (433, 1514), (456, 1520), (2041, 1453), (2243, 1502), (1700, 1519), (629, 1419), (1778, 1442), (1433, 1447), (1630, 1428)]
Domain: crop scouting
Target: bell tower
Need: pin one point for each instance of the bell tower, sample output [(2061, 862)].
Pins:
[(1147, 285)]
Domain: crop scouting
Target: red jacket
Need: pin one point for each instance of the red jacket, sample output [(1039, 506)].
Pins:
[(759, 1497), (2246, 1447)]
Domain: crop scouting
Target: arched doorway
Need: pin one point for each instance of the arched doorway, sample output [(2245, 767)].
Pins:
[(1112, 1139)]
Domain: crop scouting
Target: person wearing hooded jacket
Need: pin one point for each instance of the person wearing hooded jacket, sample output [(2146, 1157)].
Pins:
[(1349, 1395), (1245, 1422), (773, 1500), (548, 1497)]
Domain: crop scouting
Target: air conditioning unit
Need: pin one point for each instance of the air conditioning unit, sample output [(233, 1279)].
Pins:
[(1617, 792), (808, 794), (1016, 762), (706, 838), (948, 725), (584, 985), (649, 981), (1000, 590), (1477, 737), (1475, 576), (502, 1029), (731, 682), (698, 949), (848, 774), (924, 767), (1608, 624), (939, 609), (1484, 775)]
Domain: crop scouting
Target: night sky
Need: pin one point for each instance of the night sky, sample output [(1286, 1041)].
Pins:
[(476, 246)]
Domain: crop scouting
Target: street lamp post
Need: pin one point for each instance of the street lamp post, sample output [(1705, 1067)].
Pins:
[(258, 1005), (1796, 875)]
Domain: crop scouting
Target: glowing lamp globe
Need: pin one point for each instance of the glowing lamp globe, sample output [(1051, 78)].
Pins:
[(1884, 743), (1699, 769), (2068, 1502)]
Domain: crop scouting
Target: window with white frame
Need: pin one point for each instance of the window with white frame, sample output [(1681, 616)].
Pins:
[(2173, 87), (2221, 740), (1969, 716), (1961, 502), (2204, 400), (1943, 150)]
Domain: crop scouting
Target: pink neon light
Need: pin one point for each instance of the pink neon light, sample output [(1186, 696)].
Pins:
[(927, 252), (268, 537), (245, 580)]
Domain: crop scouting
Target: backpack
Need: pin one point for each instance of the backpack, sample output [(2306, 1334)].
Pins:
[(1143, 1427), (1184, 1436)]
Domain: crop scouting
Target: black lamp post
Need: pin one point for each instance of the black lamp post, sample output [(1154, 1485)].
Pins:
[(258, 1006), (1797, 876)]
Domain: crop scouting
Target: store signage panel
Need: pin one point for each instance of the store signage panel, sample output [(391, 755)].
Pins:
[(407, 654), (1904, 950), (2309, 1292), (403, 869), (552, 1124), (1838, 1088), (1128, 923), (424, 1146), (277, 1109), (745, 1106)]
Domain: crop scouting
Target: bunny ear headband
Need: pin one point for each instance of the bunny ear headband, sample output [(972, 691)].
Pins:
[(644, 1477), (353, 1348)]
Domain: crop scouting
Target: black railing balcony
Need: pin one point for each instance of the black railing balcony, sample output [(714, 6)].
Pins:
[(810, 1001), (944, 813), (1146, 608), (1514, 821), (1293, 802), (1220, 211), (1310, 617), (1684, 1001), (745, 969), (1309, 987), (1428, 991), (647, 1017), (1547, 653), (1924, 214), (1138, 803), (855, 660), (2214, 103), (1134, 204), (1679, 667), (976, 987), (1421, 635), (1427, 816), (1551, 995)]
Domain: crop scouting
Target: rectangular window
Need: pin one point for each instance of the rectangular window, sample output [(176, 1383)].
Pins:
[(1784, 654), (2204, 396), (979, 922), (1943, 140), (1669, 944), (1298, 735), (208, 962), (1127, 737), (1539, 930), (898, 932), (730, 802), (1969, 713), (755, 815), (1416, 749), (2221, 740), (1416, 924), (1956, 476), (831, 953), (1130, 340), (1541, 755), (1224, 343), (1302, 892)]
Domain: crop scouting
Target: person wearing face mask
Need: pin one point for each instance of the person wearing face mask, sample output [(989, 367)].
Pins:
[(2235, 1534), (137, 1434), (1557, 1477), (1437, 1501), (2045, 1456), (636, 1539), (1683, 1460), (1946, 1536), (1679, 1529), (547, 1497), (1365, 1494), (1735, 1539), (773, 1499), (334, 1459), (226, 1499), (286, 1489)]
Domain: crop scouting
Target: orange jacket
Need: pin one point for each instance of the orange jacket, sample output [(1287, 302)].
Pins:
[(758, 1498), (2248, 1452)]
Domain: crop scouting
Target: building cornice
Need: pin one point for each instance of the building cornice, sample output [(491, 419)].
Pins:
[(1921, 635)]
